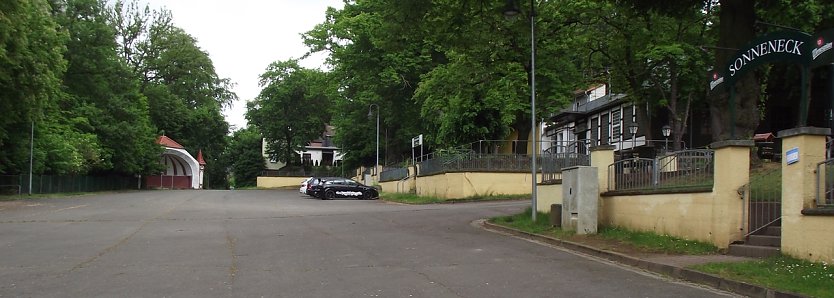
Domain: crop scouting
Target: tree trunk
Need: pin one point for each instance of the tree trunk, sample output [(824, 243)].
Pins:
[(737, 20), (523, 128)]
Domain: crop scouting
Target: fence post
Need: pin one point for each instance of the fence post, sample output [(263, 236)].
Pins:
[(601, 158), (655, 171), (803, 236), (731, 171)]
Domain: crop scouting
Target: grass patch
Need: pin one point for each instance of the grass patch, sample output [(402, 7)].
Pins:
[(607, 237), (780, 272), (766, 182), (407, 198), (660, 243), (524, 222)]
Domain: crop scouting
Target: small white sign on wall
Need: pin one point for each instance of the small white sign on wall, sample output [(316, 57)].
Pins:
[(792, 156)]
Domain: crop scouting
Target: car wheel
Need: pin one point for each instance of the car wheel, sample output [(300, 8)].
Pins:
[(366, 195), (329, 195)]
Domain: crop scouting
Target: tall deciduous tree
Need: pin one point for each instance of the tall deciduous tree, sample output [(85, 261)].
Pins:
[(31, 67), (185, 94), (101, 89), (291, 109)]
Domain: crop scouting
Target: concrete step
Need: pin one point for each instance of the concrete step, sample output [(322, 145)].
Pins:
[(772, 231), (764, 240), (753, 251)]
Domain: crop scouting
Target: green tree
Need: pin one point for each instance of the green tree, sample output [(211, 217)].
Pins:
[(245, 156), (31, 67), (378, 54), (652, 54), (185, 94), (101, 90), (291, 109)]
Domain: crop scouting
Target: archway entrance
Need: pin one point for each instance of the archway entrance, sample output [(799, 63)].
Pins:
[(182, 171)]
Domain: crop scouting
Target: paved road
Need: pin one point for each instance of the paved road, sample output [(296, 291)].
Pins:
[(281, 244)]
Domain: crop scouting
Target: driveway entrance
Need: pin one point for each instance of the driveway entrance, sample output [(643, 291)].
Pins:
[(283, 244)]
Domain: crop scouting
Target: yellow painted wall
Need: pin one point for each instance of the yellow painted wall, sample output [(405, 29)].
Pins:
[(482, 183), (547, 195), (804, 236), (467, 184), (683, 215), (808, 237), (714, 217), (507, 147), (275, 182), (434, 185)]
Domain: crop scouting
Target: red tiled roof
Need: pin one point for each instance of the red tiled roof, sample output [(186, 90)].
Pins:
[(168, 142), (200, 157), (763, 137)]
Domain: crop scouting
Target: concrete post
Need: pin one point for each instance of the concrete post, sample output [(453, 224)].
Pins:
[(799, 187), (601, 158), (731, 172)]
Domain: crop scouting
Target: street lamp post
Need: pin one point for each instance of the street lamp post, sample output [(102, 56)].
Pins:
[(666, 130), (633, 130), (370, 110), (512, 10)]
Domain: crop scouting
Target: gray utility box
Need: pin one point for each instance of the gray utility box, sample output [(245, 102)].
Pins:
[(580, 199)]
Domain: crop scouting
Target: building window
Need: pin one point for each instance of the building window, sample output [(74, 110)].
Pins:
[(616, 125)]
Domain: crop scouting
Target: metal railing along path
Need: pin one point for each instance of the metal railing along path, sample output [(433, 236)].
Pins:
[(681, 169)]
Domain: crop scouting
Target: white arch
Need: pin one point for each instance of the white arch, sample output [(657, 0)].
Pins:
[(190, 168)]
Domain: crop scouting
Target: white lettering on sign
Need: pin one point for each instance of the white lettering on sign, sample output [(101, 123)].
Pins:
[(790, 46), (349, 193), (818, 51), (715, 83)]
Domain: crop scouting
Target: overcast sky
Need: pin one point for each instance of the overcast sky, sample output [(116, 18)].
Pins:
[(244, 36)]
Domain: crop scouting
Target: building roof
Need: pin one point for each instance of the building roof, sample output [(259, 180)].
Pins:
[(572, 114), (168, 142), (200, 159)]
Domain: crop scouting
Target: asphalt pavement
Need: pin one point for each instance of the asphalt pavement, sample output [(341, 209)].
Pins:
[(279, 243)]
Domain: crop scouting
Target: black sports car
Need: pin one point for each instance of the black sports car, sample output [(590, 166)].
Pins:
[(332, 188)]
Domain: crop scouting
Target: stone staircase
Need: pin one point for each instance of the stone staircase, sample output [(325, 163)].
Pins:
[(763, 244)]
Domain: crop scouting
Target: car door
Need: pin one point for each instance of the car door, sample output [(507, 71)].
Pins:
[(352, 189)]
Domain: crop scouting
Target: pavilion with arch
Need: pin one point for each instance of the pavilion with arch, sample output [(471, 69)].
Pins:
[(182, 171)]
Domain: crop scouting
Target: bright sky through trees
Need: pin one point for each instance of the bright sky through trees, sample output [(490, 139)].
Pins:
[(244, 37)]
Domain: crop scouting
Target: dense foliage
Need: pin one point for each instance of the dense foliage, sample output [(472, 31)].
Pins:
[(459, 71), (291, 109), (100, 82), (244, 155)]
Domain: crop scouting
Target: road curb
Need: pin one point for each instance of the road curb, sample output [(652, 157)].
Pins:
[(668, 270)]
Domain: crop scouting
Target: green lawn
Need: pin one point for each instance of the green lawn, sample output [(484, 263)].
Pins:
[(781, 272), (650, 242)]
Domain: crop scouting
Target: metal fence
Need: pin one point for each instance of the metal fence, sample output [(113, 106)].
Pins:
[(44, 184), (305, 172), (681, 169), (552, 164), (825, 184), (474, 162), (393, 174), (763, 198)]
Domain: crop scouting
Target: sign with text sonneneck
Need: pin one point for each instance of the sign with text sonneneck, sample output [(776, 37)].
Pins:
[(778, 46), (807, 50)]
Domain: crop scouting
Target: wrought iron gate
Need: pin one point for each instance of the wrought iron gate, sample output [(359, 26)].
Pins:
[(763, 198)]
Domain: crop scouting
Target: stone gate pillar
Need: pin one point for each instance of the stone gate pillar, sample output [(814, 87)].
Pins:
[(803, 236)]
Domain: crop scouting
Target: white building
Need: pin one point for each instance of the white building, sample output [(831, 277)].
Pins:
[(319, 152)]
